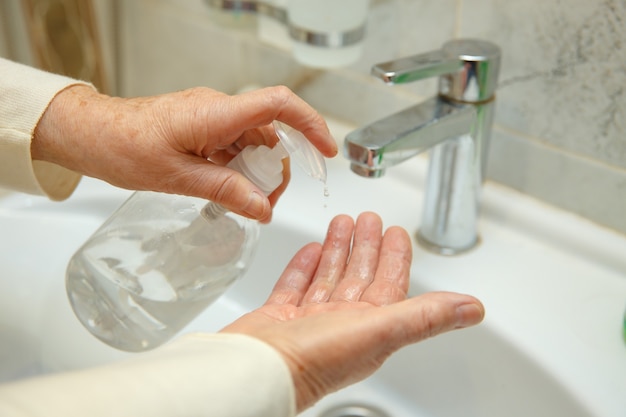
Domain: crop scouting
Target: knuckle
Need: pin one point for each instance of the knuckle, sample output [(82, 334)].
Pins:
[(224, 189), (431, 325), (280, 96)]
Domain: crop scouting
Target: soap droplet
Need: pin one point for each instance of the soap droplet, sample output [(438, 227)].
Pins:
[(326, 195)]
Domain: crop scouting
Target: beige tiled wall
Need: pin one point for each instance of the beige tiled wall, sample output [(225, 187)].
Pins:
[(560, 129)]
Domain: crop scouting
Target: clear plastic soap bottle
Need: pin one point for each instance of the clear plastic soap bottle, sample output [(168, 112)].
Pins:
[(161, 259)]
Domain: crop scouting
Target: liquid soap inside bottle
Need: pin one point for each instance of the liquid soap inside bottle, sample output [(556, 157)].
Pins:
[(161, 259)]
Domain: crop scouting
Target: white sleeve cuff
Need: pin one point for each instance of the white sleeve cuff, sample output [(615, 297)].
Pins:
[(25, 94)]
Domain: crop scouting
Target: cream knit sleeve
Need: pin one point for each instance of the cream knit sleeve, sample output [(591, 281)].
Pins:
[(198, 375), (25, 93)]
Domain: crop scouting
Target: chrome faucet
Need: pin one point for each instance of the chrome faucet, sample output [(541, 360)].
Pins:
[(455, 125)]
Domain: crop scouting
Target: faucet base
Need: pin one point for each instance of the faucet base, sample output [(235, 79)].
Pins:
[(444, 250)]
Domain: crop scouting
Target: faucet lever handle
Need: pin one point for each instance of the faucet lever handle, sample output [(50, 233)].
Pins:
[(417, 67), (468, 70)]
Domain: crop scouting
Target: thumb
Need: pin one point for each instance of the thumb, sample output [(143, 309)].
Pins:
[(434, 313), (222, 185)]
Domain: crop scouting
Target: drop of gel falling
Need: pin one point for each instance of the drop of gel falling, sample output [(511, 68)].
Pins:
[(326, 195)]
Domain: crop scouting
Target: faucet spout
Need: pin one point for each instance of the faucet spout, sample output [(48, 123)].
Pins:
[(454, 126), (396, 138)]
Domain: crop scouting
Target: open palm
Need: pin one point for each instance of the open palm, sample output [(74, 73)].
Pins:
[(341, 308)]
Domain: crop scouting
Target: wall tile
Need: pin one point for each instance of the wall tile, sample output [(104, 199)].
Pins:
[(582, 185), (17, 46), (563, 78), (400, 28), (169, 46)]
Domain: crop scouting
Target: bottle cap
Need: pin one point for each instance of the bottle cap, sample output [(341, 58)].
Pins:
[(308, 158)]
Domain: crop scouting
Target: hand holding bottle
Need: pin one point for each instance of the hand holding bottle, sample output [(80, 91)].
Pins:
[(176, 143)]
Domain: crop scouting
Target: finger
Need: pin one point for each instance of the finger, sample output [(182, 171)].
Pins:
[(391, 281), (275, 195), (410, 321), (294, 281), (261, 107), (363, 260), (434, 313), (256, 137), (406, 322), (335, 253), (264, 135), (194, 176)]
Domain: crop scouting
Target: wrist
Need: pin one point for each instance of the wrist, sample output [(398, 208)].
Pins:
[(55, 135)]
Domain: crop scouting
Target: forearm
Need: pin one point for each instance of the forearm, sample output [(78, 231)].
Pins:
[(197, 375)]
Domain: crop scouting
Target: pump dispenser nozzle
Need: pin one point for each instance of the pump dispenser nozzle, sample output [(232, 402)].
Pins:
[(262, 165), (308, 158)]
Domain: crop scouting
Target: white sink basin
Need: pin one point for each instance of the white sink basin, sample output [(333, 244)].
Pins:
[(554, 287)]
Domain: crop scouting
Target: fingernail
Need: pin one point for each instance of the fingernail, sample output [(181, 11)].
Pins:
[(257, 205), (469, 315)]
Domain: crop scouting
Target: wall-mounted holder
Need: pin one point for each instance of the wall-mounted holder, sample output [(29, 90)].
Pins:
[(321, 33)]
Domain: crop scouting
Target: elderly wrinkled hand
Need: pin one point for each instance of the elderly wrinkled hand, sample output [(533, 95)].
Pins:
[(341, 308), (177, 142)]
